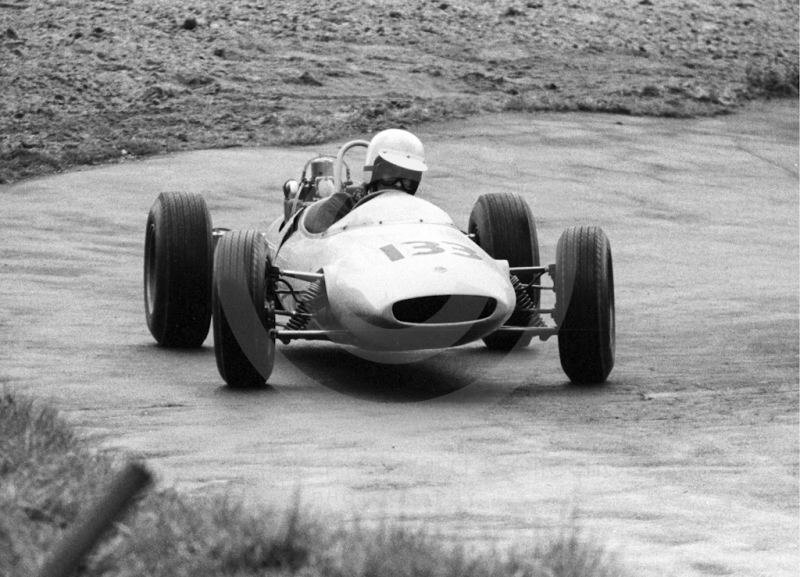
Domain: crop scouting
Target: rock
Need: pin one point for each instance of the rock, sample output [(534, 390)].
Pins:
[(483, 79), (512, 11), (11, 35), (190, 23), (157, 93), (307, 80), (194, 81)]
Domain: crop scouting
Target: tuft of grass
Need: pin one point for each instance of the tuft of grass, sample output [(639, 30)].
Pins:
[(703, 103), (773, 78), (403, 112), (171, 535), (303, 135), (138, 147), (89, 155), (20, 162), (48, 475), (570, 554)]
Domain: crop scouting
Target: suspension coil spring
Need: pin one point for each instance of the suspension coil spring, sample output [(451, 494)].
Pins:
[(302, 314), (524, 312), (523, 298)]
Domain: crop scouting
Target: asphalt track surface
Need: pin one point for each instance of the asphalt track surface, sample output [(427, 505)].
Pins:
[(685, 462)]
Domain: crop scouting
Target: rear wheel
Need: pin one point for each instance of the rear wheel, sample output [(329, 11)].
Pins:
[(177, 270), (243, 311), (585, 304), (502, 224)]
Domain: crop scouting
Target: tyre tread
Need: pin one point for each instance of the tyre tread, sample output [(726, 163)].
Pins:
[(182, 311), (584, 277)]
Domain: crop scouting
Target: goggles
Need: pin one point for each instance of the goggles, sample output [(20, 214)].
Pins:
[(407, 184)]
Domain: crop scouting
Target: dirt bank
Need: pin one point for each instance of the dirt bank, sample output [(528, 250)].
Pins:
[(108, 80)]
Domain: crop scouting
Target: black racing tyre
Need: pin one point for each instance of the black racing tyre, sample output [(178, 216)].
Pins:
[(243, 310), (503, 226), (585, 310), (177, 270)]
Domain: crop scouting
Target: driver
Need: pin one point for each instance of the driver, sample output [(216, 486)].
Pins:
[(395, 161)]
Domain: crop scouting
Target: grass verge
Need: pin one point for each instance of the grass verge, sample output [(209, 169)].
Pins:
[(48, 475)]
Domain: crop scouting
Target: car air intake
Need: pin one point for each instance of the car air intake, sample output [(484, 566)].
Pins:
[(443, 309)]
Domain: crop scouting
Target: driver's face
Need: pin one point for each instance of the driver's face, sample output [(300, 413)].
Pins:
[(388, 175)]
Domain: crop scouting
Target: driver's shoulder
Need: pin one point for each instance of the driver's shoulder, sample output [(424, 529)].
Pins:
[(320, 215)]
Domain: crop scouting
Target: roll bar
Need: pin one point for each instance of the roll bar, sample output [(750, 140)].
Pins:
[(337, 167)]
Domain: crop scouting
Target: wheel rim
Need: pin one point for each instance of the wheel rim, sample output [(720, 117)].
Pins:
[(150, 269)]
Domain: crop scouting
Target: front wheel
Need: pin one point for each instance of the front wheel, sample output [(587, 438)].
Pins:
[(502, 224), (243, 310), (585, 304)]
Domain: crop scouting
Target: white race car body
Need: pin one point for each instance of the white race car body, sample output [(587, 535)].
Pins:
[(395, 274)]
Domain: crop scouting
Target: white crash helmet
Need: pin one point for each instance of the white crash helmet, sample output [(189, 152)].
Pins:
[(394, 153)]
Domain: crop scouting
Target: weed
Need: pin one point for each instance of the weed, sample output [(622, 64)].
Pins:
[(22, 161), (89, 154), (773, 78), (48, 475), (139, 147)]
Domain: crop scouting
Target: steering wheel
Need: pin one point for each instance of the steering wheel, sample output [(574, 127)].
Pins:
[(337, 166)]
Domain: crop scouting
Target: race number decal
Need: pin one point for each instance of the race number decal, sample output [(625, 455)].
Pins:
[(392, 252), (462, 250), (427, 247), (424, 247)]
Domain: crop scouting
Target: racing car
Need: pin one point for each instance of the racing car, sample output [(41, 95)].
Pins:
[(395, 274)]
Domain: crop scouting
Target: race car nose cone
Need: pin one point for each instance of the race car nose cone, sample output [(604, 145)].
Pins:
[(412, 304)]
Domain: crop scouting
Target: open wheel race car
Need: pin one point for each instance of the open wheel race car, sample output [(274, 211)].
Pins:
[(394, 274)]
